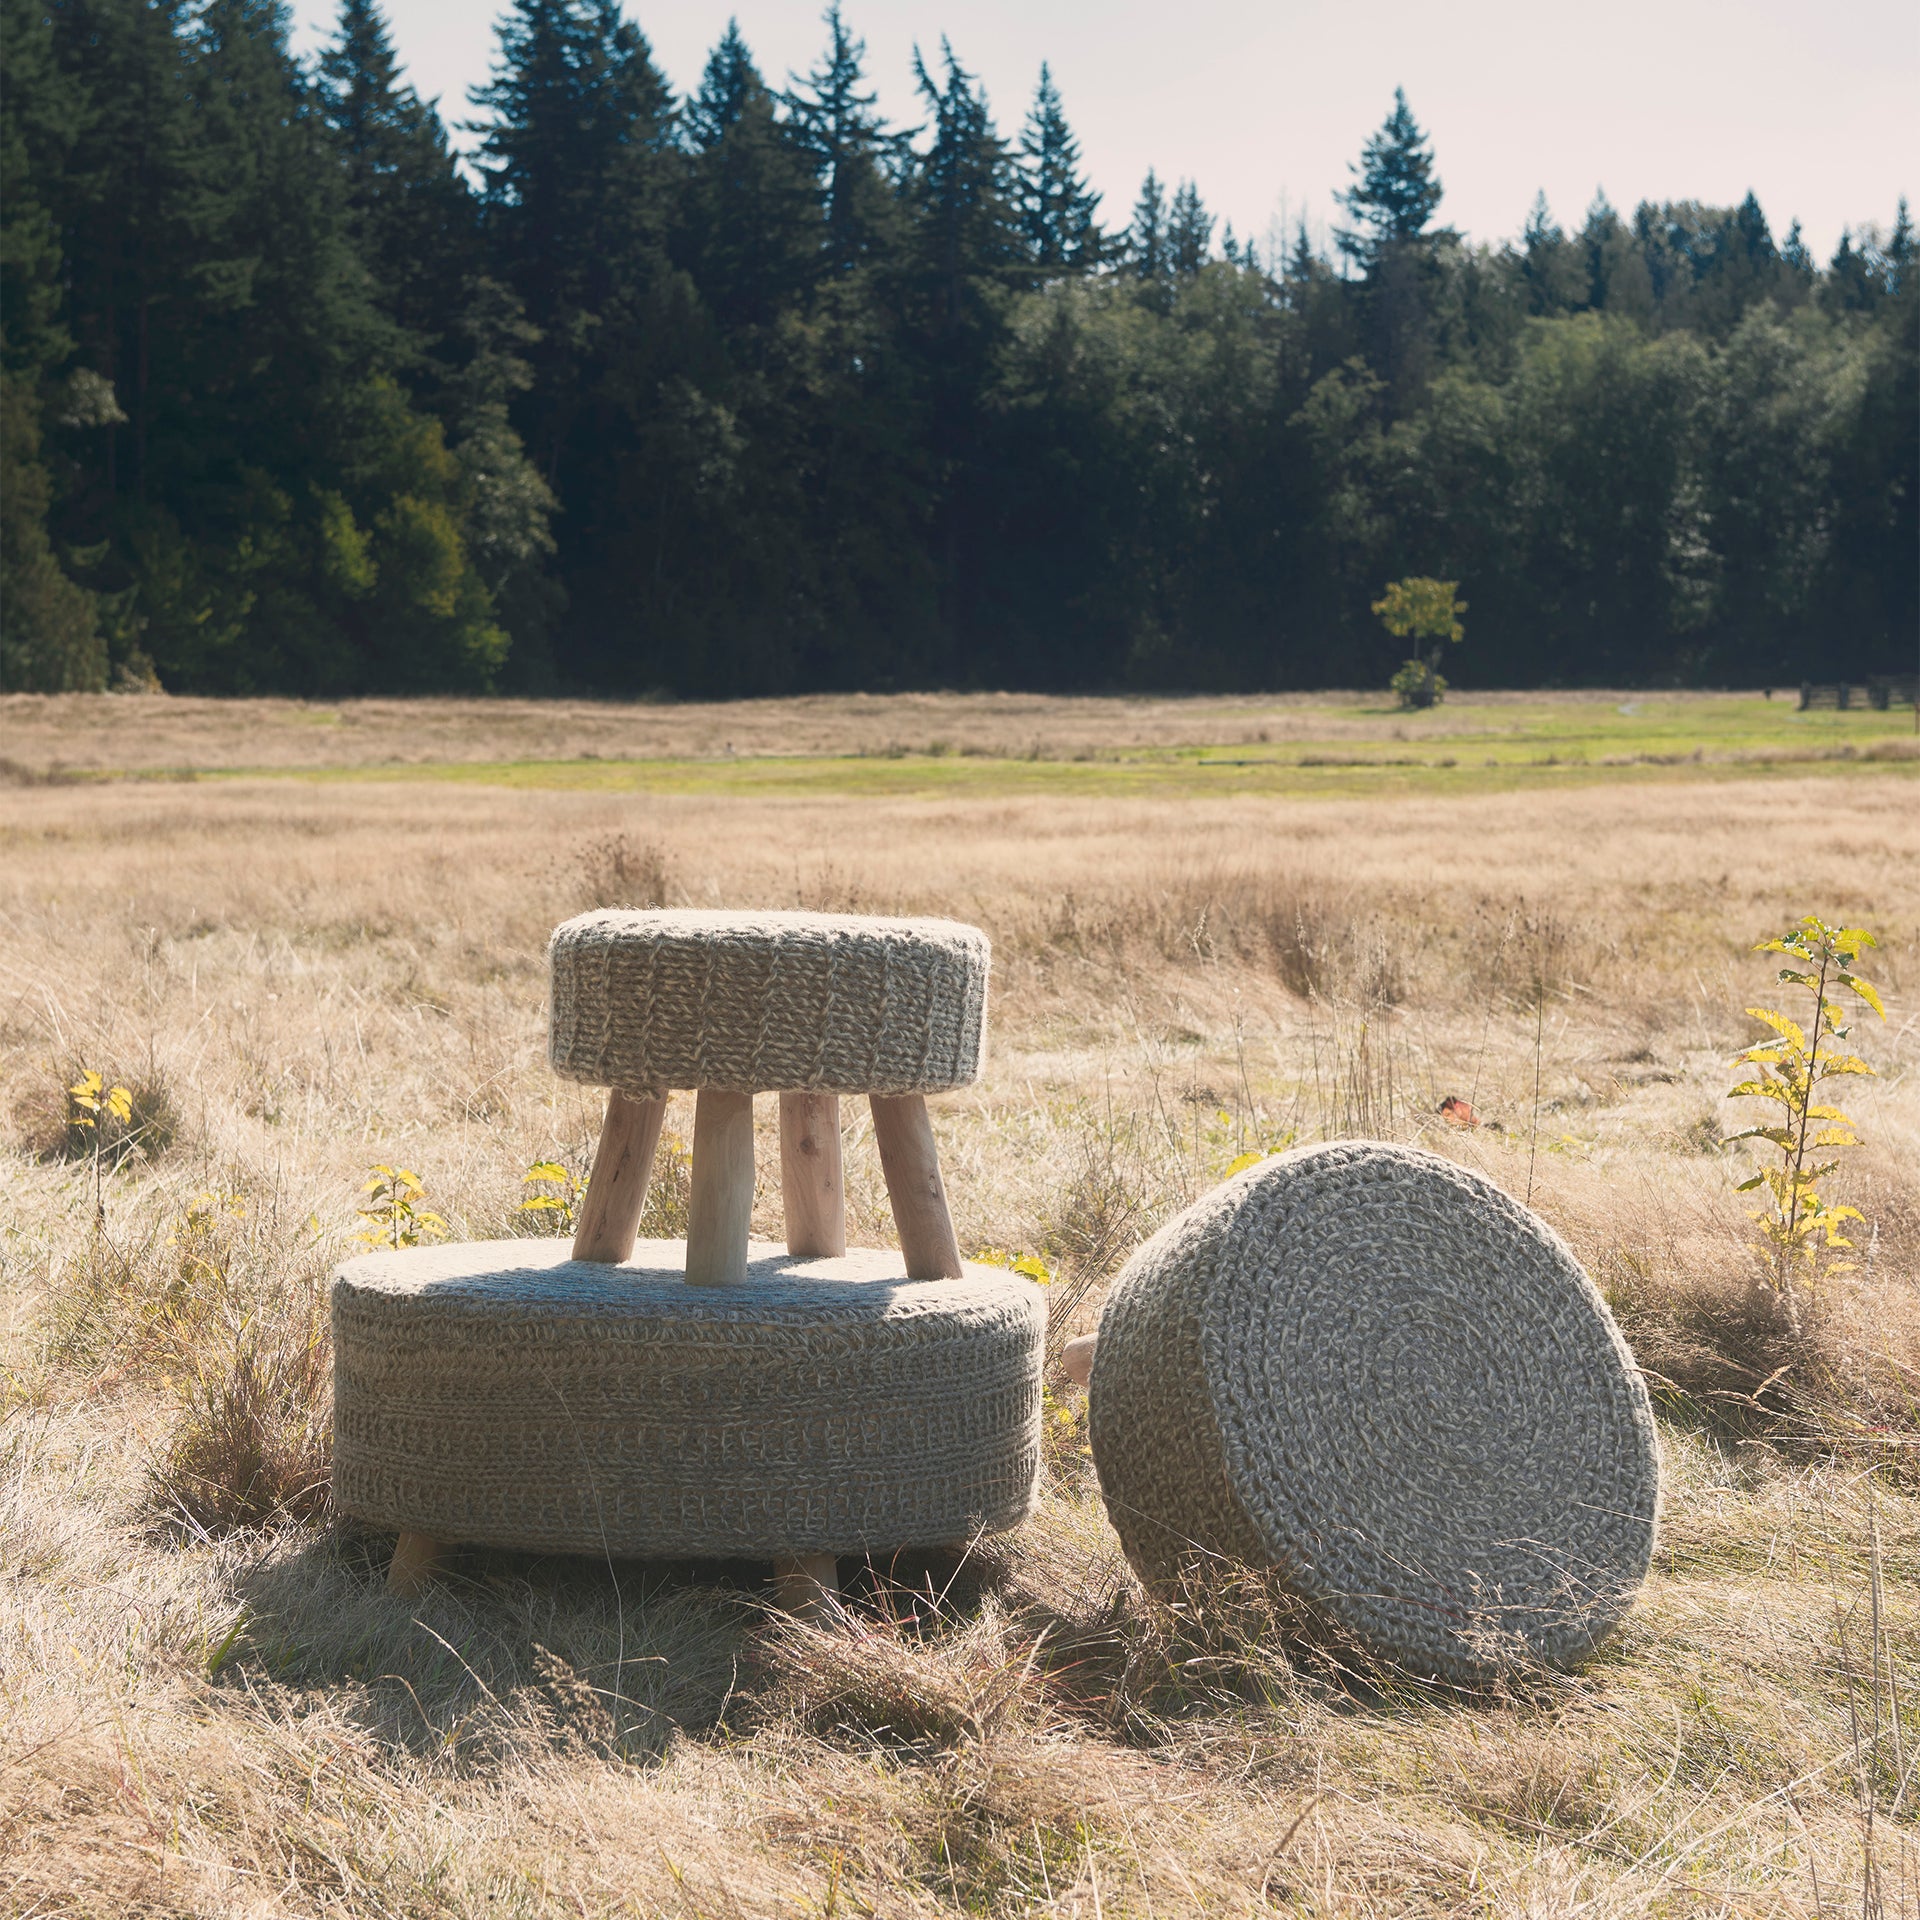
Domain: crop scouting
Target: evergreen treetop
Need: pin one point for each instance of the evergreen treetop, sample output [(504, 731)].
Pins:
[(832, 118), (748, 225), (1056, 206), (1396, 194), (730, 85), (413, 215), (961, 183), (1147, 252), (1189, 232)]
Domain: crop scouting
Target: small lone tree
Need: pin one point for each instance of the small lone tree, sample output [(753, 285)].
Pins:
[(1801, 1229), (1419, 609)]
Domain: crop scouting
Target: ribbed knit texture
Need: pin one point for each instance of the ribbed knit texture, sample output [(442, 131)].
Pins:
[(761, 1002), (1373, 1371), (502, 1394)]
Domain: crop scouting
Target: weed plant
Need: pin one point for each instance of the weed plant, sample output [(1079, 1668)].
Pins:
[(1801, 1230)]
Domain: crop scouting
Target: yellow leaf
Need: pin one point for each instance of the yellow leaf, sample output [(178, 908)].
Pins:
[(1789, 1030), (1866, 993), (1241, 1162)]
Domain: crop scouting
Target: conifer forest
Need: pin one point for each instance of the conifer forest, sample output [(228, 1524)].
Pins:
[(752, 392)]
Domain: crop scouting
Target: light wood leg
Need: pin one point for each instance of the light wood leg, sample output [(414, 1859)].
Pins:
[(911, 1164), (416, 1560), (617, 1190), (807, 1584), (1076, 1359), (810, 1175), (720, 1207)]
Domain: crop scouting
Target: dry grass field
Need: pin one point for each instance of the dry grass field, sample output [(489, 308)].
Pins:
[(325, 952)]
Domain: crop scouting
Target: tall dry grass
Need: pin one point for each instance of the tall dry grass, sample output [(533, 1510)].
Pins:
[(211, 1706)]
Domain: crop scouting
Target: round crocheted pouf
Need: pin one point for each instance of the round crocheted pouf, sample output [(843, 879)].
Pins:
[(502, 1394), (762, 1002), (1370, 1370)]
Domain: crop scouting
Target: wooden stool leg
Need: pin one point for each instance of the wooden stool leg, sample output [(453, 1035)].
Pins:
[(617, 1190), (810, 1175), (720, 1207), (911, 1164), (807, 1584), (415, 1561)]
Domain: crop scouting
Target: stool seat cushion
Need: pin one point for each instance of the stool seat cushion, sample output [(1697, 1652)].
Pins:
[(1371, 1370), (761, 1002), (500, 1393)]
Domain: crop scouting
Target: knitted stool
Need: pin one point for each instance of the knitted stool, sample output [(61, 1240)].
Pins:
[(1370, 1370), (505, 1394), (712, 1398)]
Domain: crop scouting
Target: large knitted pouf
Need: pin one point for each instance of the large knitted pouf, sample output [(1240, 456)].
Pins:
[(833, 1003), (504, 1394), (1370, 1370)]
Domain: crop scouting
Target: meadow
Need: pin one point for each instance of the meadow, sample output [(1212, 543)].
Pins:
[(309, 939)]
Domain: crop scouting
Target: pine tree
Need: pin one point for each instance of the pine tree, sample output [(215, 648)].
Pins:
[(1396, 194), (572, 157), (1303, 264), (1853, 282), (1900, 253), (260, 502), (851, 151), (1189, 233), (414, 221), (1750, 236), (1056, 206), (748, 225), (132, 207), (1618, 280), (1550, 267), (1794, 254), (509, 507), (967, 251), (1147, 252), (961, 186), (1738, 266), (729, 85), (50, 638), (577, 110)]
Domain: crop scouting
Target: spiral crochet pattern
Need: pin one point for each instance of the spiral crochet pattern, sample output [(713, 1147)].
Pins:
[(761, 1002), (502, 1394), (1372, 1371)]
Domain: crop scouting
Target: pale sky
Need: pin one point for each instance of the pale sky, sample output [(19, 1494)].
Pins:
[(1814, 104)]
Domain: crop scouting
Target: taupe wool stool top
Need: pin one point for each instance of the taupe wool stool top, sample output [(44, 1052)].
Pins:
[(1372, 1371), (711, 1397)]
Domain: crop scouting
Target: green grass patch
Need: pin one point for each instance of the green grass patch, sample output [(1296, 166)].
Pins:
[(1335, 750)]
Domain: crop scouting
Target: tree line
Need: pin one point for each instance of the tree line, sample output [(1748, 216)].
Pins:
[(751, 392)]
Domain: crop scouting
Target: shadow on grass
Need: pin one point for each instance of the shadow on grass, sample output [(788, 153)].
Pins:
[(503, 1658)]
